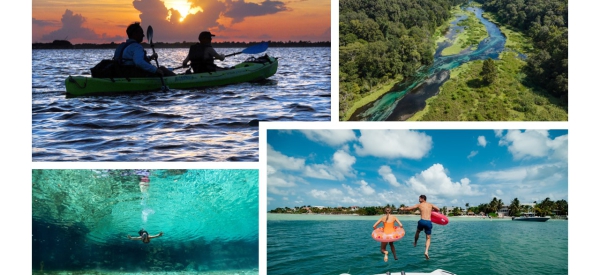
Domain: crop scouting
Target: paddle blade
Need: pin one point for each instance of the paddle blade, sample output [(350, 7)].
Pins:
[(258, 48), (150, 33)]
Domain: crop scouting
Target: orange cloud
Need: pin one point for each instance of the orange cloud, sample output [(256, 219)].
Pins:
[(232, 20)]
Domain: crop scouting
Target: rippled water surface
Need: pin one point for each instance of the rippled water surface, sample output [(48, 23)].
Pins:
[(210, 124), (81, 219), (326, 244)]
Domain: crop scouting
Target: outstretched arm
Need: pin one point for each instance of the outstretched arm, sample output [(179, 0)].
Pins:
[(155, 236), (409, 208), (134, 238)]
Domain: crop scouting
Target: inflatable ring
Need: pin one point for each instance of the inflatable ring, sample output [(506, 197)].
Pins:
[(439, 218), (379, 236)]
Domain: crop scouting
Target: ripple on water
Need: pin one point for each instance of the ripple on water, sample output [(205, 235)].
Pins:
[(210, 124)]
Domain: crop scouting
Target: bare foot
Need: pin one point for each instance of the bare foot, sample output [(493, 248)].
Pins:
[(426, 256), (385, 258)]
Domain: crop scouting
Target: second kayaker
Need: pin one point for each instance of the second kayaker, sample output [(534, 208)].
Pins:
[(202, 55)]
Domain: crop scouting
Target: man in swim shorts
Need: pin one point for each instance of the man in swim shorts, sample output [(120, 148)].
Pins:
[(425, 222)]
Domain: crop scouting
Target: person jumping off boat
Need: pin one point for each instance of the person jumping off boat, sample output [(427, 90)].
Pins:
[(388, 225), (425, 222)]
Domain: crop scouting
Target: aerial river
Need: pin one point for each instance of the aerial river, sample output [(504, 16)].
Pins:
[(408, 97)]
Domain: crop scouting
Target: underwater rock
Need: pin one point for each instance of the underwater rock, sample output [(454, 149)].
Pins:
[(190, 267)]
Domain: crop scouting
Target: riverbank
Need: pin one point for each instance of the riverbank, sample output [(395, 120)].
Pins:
[(469, 36), (465, 97), (374, 95)]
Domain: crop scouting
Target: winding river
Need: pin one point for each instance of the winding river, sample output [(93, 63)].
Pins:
[(408, 97)]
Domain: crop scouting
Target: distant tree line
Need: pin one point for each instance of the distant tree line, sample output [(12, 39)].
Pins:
[(384, 39), (546, 22), (546, 207), (184, 44)]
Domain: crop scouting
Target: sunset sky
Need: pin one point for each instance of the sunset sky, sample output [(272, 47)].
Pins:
[(87, 21)]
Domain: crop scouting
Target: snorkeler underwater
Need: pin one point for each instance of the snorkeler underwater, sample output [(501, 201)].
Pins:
[(150, 221)]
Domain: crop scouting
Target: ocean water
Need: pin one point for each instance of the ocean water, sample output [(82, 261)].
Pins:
[(325, 244), (209, 124), (81, 219)]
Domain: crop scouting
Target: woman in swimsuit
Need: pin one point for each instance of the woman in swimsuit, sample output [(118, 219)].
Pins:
[(144, 236), (388, 227)]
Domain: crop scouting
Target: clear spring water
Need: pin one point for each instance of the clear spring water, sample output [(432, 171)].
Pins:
[(210, 124), (81, 219), (330, 244), (408, 97)]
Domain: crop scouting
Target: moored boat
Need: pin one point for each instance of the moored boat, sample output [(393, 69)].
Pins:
[(530, 217), (435, 272), (253, 69)]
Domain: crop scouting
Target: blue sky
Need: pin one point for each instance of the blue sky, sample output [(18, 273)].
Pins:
[(452, 167)]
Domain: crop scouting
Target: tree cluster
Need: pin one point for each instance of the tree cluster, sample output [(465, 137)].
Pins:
[(546, 22), (385, 39)]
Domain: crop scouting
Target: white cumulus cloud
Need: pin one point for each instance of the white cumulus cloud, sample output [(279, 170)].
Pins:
[(279, 161), (330, 137), (481, 141), (435, 181), (535, 144), (393, 144), (386, 173)]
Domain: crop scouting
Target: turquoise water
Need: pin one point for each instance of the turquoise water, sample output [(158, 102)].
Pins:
[(81, 219), (320, 244), (408, 97)]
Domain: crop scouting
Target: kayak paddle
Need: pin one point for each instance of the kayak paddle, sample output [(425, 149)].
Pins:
[(150, 33), (258, 48)]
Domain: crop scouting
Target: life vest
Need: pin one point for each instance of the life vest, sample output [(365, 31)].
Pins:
[(198, 63)]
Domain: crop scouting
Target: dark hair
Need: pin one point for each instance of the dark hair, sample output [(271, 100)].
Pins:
[(423, 197), (133, 29)]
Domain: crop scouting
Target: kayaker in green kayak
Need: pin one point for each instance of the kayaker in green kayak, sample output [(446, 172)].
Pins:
[(132, 57), (202, 55)]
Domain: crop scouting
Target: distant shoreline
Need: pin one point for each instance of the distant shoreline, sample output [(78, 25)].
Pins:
[(64, 44)]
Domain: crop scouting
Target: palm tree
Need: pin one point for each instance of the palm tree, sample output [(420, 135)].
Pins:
[(445, 210), (514, 207), (493, 206), (467, 208)]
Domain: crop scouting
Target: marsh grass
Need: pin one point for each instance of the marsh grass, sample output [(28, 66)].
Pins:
[(474, 32), (465, 97), (378, 91)]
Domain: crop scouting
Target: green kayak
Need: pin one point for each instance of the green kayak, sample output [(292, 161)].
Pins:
[(249, 70)]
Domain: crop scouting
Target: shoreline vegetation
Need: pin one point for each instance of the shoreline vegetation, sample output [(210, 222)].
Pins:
[(474, 32), (65, 44), (513, 96), (465, 97), (384, 40), (495, 208)]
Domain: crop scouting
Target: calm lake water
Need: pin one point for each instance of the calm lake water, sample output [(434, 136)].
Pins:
[(81, 219), (322, 244), (408, 97), (210, 124)]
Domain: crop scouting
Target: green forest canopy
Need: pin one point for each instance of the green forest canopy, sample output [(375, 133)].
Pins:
[(391, 39)]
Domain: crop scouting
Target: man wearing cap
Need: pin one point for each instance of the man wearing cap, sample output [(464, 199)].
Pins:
[(202, 55)]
